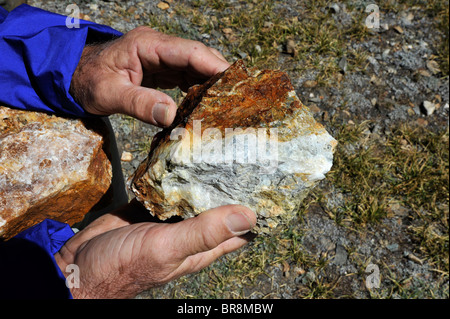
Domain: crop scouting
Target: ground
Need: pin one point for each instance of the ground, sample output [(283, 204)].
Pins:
[(377, 226)]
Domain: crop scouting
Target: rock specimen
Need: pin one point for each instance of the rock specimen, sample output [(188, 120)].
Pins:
[(50, 167), (243, 137)]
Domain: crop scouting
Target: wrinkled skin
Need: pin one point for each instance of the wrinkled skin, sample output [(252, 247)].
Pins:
[(117, 256)]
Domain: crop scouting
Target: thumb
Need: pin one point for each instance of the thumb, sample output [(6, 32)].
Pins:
[(210, 230), (148, 105)]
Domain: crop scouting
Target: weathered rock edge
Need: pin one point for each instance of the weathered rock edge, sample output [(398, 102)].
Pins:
[(50, 167)]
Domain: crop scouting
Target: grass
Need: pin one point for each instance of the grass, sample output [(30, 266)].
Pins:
[(411, 167), (407, 168)]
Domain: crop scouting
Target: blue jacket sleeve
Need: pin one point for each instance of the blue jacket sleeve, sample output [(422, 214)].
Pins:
[(3, 14), (28, 269), (38, 56)]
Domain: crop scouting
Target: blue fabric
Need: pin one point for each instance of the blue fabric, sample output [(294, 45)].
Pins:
[(3, 14), (49, 236), (38, 55)]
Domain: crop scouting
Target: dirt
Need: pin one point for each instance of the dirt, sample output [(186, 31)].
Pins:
[(389, 87)]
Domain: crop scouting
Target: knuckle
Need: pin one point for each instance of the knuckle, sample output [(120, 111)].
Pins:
[(141, 29)]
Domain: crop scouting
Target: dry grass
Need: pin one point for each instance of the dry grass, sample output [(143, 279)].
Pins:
[(408, 167)]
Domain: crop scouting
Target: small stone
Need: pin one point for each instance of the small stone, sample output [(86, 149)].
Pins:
[(422, 122), (163, 5), (411, 112), (309, 84), (227, 30), (424, 72), (392, 247), (286, 268), (334, 8), (229, 34), (399, 29), (314, 108), (242, 55), (341, 255), (268, 25), (415, 259), (343, 64), (391, 70), (433, 66), (385, 53), (126, 157), (85, 17), (429, 107), (374, 101), (309, 277), (290, 47), (299, 271), (406, 18)]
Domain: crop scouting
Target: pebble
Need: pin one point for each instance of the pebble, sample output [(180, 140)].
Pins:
[(163, 5), (374, 101), (309, 84), (290, 47), (392, 247), (433, 66), (385, 54), (314, 108), (334, 8), (406, 18), (268, 25), (398, 28), (415, 259), (389, 59), (429, 107), (310, 277), (126, 157), (343, 64), (341, 255), (384, 27)]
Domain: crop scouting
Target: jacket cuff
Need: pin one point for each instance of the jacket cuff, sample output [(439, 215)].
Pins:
[(28, 269), (39, 56)]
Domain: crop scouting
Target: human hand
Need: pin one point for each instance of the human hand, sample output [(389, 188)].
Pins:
[(119, 259), (121, 76)]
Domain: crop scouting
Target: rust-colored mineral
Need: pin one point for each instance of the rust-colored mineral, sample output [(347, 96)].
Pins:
[(50, 167), (243, 137)]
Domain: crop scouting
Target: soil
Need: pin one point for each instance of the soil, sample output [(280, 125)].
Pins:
[(391, 87)]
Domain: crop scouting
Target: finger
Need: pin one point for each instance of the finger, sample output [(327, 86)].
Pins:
[(157, 50), (218, 54), (116, 219), (199, 261), (210, 229), (148, 105)]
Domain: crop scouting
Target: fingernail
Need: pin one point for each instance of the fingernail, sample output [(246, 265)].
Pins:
[(238, 223), (161, 113)]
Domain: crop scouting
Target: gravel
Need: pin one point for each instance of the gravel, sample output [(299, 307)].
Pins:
[(400, 84)]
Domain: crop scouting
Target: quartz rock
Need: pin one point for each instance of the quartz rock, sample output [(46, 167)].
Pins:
[(244, 138), (50, 167)]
